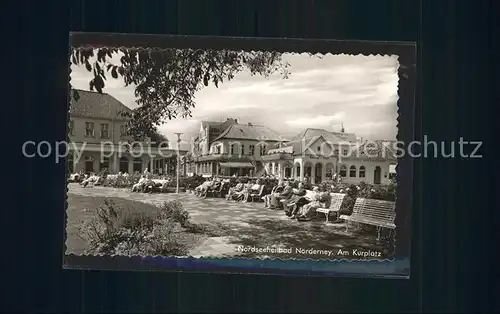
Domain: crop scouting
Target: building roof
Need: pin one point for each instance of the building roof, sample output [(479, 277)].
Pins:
[(332, 137), (249, 132), (96, 105)]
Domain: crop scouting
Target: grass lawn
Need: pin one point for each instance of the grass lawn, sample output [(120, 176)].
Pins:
[(80, 209)]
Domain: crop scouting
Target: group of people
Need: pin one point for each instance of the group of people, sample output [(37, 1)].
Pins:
[(146, 184), (297, 203), (211, 184), (243, 191)]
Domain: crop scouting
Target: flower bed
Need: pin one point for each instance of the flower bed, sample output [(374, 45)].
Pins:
[(137, 230)]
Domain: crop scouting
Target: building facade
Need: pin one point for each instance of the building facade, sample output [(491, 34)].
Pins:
[(98, 139), (317, 155), (230, 148)]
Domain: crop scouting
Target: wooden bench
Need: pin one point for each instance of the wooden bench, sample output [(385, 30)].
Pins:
[(373, 212), (336, 203), (257, 196), (217, 191)]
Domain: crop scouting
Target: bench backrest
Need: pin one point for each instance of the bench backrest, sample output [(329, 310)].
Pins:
[(261, 190), (375, 209), (337, 199)]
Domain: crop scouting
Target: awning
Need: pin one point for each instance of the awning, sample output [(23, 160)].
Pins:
[(236, 165)]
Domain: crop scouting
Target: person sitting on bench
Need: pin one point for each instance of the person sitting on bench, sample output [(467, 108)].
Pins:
[(215, 185), (202, 188), (308, 211), (139, 186), (276, 191), (254, 188), (236, 189), (239, 196), (286, 194), (304, 200), (296, 196)]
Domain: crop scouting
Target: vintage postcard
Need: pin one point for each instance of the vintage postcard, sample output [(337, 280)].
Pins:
[(239, 155)]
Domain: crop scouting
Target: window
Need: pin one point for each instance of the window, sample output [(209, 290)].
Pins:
[(262, 149), (362, 171), (104, 130), (336, 152), (137, 165), (123, 130), (219, 149), (214, 132), (242, 149), (345, 152), (319, 148), (123, 165), (233, 148), (252, 149), (352, 171), (343, 171), (71, 127), (89, 129)]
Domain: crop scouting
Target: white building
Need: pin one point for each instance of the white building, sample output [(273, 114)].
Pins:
[(318, 154)]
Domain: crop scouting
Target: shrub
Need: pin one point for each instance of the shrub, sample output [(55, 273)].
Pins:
[(192, 182), (139, 230)]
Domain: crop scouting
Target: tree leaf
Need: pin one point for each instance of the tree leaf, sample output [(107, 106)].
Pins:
[(98, 83), (206, 78), (88, 66), (113, 73)]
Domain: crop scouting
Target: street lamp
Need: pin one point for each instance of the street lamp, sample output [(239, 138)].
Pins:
[(178, 158)]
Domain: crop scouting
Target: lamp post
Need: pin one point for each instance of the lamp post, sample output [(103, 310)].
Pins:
[(178, 158)]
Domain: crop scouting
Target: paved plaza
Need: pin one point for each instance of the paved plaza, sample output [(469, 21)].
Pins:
[(245, 224)]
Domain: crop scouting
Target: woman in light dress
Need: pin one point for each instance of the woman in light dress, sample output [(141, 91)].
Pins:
[(320, 200)]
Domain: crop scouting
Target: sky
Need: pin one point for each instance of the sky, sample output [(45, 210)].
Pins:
[(357, 91)]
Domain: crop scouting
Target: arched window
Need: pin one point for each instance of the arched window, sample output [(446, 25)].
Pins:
[(362, 171), (343, 171), (352, 171)]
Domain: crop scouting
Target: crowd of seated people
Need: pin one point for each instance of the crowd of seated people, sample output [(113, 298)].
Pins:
[(243, 191), (213, 184), (297, 203), (289, 196)]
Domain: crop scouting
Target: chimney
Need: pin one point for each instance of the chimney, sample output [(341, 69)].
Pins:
[(250, 124)]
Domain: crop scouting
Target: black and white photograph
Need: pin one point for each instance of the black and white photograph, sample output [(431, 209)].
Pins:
[(209, 153)]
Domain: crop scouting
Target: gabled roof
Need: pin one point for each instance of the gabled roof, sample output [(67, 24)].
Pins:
[(96, 105), (332, 137), (346, 137), (249, 132)]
